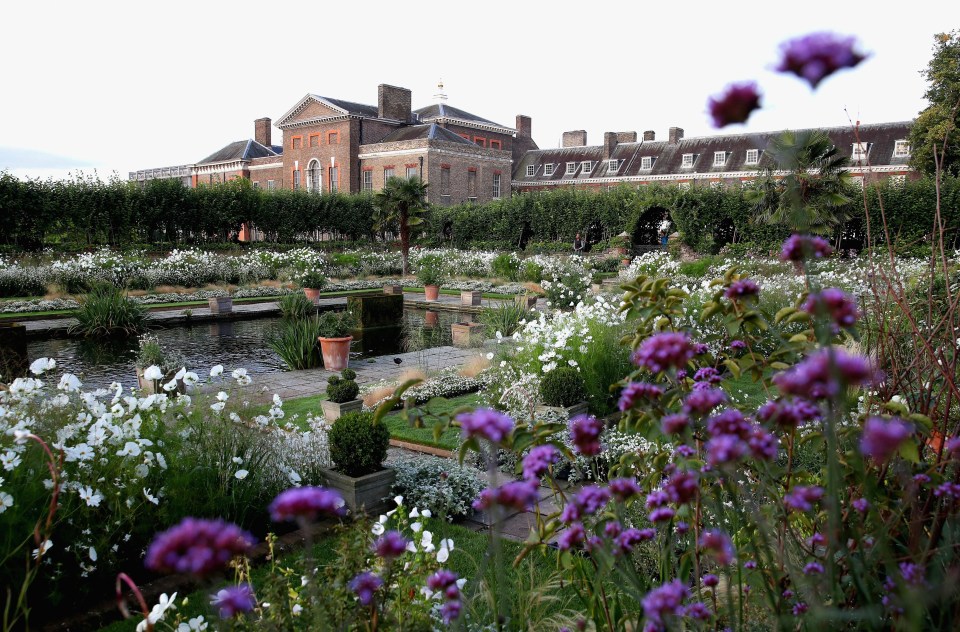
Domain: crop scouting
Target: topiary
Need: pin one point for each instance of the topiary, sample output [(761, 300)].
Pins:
[(563, 386), (358, 444), (342, 389)]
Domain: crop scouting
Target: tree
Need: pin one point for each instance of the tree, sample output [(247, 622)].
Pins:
[(401, 203), (811, 197), (936, 126)]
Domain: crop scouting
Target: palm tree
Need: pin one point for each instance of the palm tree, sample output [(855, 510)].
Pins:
[(811, 197), (401, 202)]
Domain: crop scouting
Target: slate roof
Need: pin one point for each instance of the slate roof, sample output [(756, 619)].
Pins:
[(442, 110), (360, 109), (879, 138), (241, 150), (427, 131)]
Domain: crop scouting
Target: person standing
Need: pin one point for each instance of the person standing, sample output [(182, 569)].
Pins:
[(577, 245)]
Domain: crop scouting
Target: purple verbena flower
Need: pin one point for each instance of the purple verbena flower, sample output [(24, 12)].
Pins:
[(861, 505), (735, 104), (450, 611), (707, 374), (486, 423), (802, 497), (592, 499), (661, 514), (674, 423), (520, 495), (737, 345), (657, 498), (882, 438), (816, 56), (800, 247), (763, 445), (664, 601), (744, 288), (197, 546), (835, 304), (823, 374), (799, 608), (571, 536), (364, 585), (612, 529), (728, 422), (948, 491), (538, 460), (912, 574), (441, 580), (306, 502), (663, 351), (390, 545), (684, 450), (629, 538), (921, 479), (718, 543), (788, 412), (817, 539), (636, 391), (624, 488), (725, 449), (710, 580), (234, 600), (585, 433), (682, 487), (701, 401), (750, 564), (698, 611), (681, 527), (813, 568)]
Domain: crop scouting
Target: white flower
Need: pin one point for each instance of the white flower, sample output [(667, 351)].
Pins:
[(42, 365), (222, 396), (237, 460), (151, 497), (296, 610), (426, 513), (240, 375), (171, 385), (9, 460), (69, 383), (196, 624), (6, 501), (92, 552), (241, 474), (443, 553), (129, 449), (398, 500), (152, 373), (179, 375), (158, 611), (490, 356), (415, 513), (190, 378), (216, 371), (37, 553), (218, 407), (416, 526), (90, 496)]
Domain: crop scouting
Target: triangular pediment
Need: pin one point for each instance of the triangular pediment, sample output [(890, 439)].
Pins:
[(310, 108)]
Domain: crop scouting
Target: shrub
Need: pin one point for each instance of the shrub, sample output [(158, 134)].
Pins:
[(296, 306), (443, 486), (506, 266), (562, 387), (505, 318), (430, 270), (295, 341), (336, 324), (106, 311), (358, 444), (152, 353), (342, 388), (531, 271)]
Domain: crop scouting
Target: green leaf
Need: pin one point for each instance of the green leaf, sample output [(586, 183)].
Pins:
[(910, 452)]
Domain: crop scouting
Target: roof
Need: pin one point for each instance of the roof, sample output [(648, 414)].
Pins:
[(349, 107), (427, 131), (241, 150), (440, 111), (731, 148)]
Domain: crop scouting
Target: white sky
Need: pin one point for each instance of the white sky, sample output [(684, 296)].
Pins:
[(120, 86)]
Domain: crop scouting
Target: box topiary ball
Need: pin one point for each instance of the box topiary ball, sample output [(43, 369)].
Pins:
[(358, 444), (562, 387)]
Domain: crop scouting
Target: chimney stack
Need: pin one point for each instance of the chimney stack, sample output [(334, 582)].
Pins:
[(576, 138), (651, 135), (524, 126), (626, 137), (261, 131), (675, 135), (393, 103), (609, 144)]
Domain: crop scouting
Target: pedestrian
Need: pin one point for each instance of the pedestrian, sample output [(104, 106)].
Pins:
[(577, 245)]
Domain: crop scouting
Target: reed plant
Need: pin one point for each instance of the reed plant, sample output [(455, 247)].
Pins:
[(107, 311), (296, 306), (295, 341), (505, 317)]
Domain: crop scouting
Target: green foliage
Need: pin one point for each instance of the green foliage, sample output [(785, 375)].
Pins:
[(531, 271), (295, 341), (909, 213), (399, 206), (430, 270), (936, 126), (152, 353), (506, 265), (358, 444), (334, 324), (563, 386), (342, 388), (106, 311), (296, 306), (504, 317)]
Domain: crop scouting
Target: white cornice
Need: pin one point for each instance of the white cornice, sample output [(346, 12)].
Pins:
[(434, 150), (491, 127), (268, 165), (217, 167)]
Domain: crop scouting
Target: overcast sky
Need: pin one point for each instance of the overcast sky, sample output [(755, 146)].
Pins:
[(120, 86)]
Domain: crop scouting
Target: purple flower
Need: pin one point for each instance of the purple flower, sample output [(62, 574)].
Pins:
[(585, 434), (921, 479), (486, 423), (802, 497), (912, 573), (789, 413), (735, 104), (364, 585), (744, 288), (657, 498), (725, 449), (520, 495), (571, 536), (813, 568), (737, 345), (592, 499), (612, 529), (707, 374), (763, 445), (681, 527), (823, 374), (718, 543), (787, 594), (682, 487), (635, 391), (197, 546), (882, 438), (674, 424), (662, 351), (817, 539), (701, 401), (728, 422), (953, 447), (306, 502), (624, 488), (710, 580), (816, 56), (948, 490), (441, 580), (234, 600), (836, 304), (684, 450), (664, 601), (698, 611), (538, 460), (450, 611), (799, 608), (661, 514), (750, 564), (800, 247), (624, 542), (390, 545), (861, 505)]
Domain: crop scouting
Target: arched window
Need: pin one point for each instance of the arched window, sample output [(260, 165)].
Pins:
[(314, 176)]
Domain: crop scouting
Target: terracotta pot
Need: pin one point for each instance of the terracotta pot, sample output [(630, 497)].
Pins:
[(430, 319), (149, 387), (335, 352), (431, 292), (312, 293)]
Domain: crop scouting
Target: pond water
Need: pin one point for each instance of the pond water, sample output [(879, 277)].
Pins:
[(233, 344)]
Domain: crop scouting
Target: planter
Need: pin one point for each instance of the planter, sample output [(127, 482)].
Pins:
[(223, 304), (430, 319), (526, 301), (149, 387), (580, 408), (469, 297), (463, 333), (333, 410), (431, 292), (313, 294), (393, 289), (335, 352), (369, 493)]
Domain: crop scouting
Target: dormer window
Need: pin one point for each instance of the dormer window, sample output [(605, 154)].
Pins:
[(687, 161), (549, 168), (587, 166), (901, 149), (613, 166), (753, 156), (531, 170), (859, 151), (646, 162), (719, 158), (571, 168)]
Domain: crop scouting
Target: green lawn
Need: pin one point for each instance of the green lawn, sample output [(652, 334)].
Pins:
[(399, 429)]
